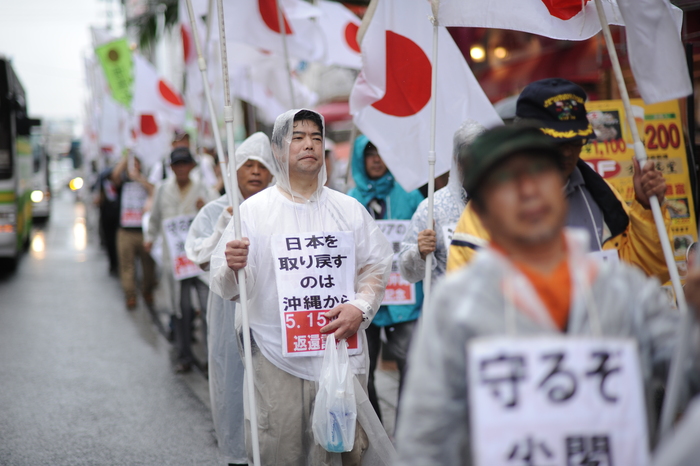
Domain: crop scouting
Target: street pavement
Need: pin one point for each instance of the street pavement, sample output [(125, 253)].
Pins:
[(83, 381)]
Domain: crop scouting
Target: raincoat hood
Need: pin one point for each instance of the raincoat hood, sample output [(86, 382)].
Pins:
[(255, 147), (463, 137), (365, 188), (281, 141)]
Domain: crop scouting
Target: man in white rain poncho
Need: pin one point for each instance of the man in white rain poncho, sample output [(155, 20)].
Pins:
[(254, 169), (534, 279), (421, 239), (297, 229)]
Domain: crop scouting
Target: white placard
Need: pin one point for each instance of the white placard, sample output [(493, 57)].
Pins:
[(556, 401), (134, 197), (175, 231), (315, 272), (447, 232), (398, 290)]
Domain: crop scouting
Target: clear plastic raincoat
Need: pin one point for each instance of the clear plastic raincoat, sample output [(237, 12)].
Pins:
[(471, 303), (281, 210), (448, 204), (226, 368)]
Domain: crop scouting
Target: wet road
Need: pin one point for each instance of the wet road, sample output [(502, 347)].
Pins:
[(82, 380)]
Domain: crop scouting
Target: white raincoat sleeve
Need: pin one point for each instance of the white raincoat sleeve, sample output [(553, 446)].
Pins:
[(411, 264), (206, 231), (373, 255)]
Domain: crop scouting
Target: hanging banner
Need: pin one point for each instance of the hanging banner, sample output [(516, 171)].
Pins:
[(556, 401), (611, 153), (315, 272), (118, 66), (398, 290), (175, 230)]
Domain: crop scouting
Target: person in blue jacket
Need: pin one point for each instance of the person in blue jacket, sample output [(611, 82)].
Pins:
[(376, 189)]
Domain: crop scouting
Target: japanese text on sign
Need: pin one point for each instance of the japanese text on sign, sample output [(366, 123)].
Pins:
[(175, 230), (398, 290), (315, 272), (554, 401), (133, 199)]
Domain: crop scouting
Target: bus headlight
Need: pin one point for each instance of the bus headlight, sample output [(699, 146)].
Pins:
[(76, 183), (37, 196)]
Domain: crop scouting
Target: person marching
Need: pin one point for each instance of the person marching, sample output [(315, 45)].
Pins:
[(315, 263), (254, 165), (616, 231), (179, 196), (534, 279), (384, 199)]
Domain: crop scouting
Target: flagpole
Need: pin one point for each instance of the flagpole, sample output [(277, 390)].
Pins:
[(208, 99), (283, 32), (675, 377), (243, 291), (205, 54), (427, 281)]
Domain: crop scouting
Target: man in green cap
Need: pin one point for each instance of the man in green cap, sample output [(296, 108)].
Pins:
[(534, 278)]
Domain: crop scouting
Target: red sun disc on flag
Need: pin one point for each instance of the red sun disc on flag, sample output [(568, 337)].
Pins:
[(168, 94), (408, 77), (149, 127), (351, 36), (564, 9), (185, 34), (268, 11)]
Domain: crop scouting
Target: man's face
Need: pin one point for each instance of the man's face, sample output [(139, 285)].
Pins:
[(306, 150), (182, 171), (374, 165), (523, 201), (571, 152), (253, 177)]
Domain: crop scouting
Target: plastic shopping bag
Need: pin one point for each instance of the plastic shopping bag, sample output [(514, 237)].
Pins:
[(335, 409)]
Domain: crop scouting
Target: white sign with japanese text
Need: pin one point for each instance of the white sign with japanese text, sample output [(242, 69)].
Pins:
[(556, 401), (447, 232), (175, 231), (398, 290), (134, 197), (315, 272)]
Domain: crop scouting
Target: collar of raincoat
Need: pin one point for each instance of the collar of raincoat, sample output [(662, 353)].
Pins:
[(464, 136), (281, 140), (365, 188)]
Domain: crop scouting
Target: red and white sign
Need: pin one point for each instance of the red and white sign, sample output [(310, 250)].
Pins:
[(390, 101), (652, 28), (398, 290), (175, 231), (340, 26), (315, 272), (133, 199)]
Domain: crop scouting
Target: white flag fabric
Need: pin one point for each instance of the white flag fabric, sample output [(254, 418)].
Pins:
[(340, 26), (256, 22), (652, 28), (390, 101), (656, 53)]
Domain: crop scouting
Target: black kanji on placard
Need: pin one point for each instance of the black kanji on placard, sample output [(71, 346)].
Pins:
[(603, 370), (293, 244), (562, 383), (291, 303), (314, 241), (584, 450), (288, 263), (529, 452), (502, 374)]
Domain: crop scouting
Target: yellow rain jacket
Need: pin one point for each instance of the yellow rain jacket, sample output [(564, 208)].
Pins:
[(629, 229)]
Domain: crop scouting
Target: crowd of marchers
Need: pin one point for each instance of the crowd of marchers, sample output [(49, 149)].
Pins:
[(526, 242)]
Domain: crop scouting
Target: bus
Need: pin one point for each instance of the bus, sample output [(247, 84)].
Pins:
[(41, 186), (15, 166)]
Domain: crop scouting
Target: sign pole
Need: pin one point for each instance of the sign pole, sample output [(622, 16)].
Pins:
[(228, 117), (675, 377)]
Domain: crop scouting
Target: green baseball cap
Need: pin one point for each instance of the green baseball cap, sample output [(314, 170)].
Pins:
[(495, 145)]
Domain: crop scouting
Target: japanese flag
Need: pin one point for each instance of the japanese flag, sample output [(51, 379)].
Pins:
[(390, 101), (256, 22), (340, 26), (158, 109), (652, 26)]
